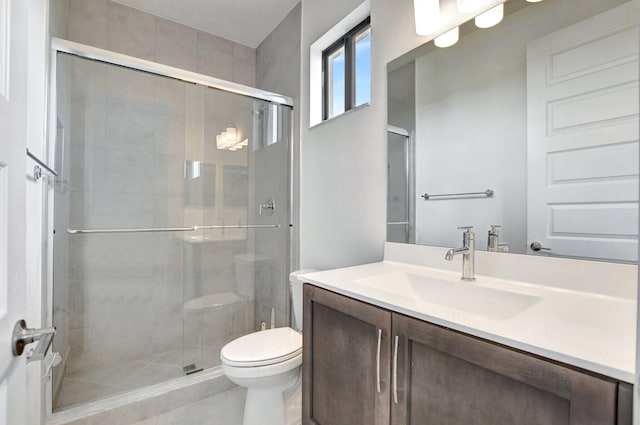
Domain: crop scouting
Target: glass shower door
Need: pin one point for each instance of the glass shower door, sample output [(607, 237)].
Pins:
[(117, 295), (176, 201), (237, 262)]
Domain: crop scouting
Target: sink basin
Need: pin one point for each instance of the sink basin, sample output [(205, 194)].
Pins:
[(491, 303)]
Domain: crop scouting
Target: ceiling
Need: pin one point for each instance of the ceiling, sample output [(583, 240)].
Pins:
[(246, 22)]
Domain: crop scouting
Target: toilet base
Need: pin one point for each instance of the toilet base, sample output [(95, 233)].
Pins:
[(293, 404), (269, 406), (263, 406)]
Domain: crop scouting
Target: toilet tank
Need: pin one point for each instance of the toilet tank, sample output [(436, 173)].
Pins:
[(296, 296)]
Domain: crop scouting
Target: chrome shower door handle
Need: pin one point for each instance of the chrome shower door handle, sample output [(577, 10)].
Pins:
[(23, 336), (395, 370), (378, 361)]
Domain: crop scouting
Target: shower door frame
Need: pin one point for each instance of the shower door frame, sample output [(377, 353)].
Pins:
[(59, 45)]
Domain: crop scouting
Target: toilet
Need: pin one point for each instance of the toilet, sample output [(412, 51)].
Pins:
[(267, 363)]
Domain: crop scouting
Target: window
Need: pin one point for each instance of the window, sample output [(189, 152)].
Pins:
[(346, 66)]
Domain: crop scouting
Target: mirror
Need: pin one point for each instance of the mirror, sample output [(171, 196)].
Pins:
[(531, 125)]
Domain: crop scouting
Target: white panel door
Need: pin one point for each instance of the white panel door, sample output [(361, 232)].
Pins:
[(13, 89), (582, 95)]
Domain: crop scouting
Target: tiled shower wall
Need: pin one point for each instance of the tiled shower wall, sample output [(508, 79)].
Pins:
[(278, 70), (112, 26)]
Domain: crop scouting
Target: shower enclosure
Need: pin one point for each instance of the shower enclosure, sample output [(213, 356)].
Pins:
[(400, 184), (171, 223)]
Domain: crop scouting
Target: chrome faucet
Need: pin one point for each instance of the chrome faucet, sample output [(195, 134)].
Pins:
[(468, 251), (493, 242)]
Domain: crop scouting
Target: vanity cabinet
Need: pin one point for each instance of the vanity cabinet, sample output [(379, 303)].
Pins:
[(434, 375), (447, 377), (346, 363)]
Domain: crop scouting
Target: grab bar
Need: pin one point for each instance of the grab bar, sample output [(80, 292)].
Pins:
[(132, 230), (238, 226), (488, 193), (37, 171), (173, 229)]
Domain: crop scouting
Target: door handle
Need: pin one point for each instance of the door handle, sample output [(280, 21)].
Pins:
[(395, 370), (23, 336), (537, 246), (378, 361)]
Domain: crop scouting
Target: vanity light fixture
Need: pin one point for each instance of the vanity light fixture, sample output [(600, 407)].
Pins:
[(228, 139), (448, 39), (470, 6), (491, 17), (427, 14)]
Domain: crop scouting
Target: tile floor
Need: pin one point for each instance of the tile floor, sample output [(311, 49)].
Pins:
[(91, 383), (226, 408)]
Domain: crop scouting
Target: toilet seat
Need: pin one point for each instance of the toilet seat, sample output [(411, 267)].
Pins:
[(263, 348)]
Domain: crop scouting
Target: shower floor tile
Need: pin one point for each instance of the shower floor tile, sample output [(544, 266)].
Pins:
[(89, 381), (76, 392), (222, 409), (109, 375), (93, 383), (149, 375)]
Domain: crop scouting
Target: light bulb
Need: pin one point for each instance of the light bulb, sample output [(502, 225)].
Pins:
[(231, 134), (224, 138), (427, 14), (491, 17), (470, 6), (448, 39)]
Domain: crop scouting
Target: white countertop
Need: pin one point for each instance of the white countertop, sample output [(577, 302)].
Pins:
[(591, 330)]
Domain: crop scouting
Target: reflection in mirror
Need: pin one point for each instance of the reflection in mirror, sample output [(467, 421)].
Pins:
[(399, 186), (543, 110)]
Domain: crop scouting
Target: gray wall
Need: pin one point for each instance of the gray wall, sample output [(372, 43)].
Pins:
[(59, 18), (402, 97), (278, 70), (112, 26), (343, 167)]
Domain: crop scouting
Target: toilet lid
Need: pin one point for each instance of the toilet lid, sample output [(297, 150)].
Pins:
[(262, 348)]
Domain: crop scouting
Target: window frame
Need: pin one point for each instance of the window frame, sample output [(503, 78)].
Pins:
[(348, 42)]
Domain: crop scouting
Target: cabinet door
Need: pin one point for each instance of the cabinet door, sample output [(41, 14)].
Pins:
[(346, 360), (446, 377)]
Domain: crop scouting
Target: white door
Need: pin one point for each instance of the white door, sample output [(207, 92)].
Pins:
[(582, 91), (13, 89)]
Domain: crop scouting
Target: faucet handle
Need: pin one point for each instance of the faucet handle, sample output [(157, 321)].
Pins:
[(495, 226), (467, 235)]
